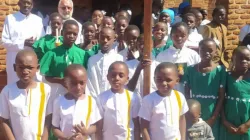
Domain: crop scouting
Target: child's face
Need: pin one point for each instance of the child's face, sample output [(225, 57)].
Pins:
[(220, 16), (140, 44), (179, 37), (70, 34), (166, 79), (76, 82), (106, 39), (164, 17), (190, 21), (120, 27), (131, 38), (242, 60), (56, 23), (121, 14), (160, 31), (193, 114), (118, 76), (199, 18), (97, 17), (89, 32), (107, 22), (26, 68), (207, 51)]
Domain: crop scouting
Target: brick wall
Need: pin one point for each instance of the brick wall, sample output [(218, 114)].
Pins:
[(238, 16)]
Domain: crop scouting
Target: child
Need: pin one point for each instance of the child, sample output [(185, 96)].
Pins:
[(235, 117), (107, 22), (205, 20), (51, 41), (119, 106), (194, 37), (163, 111), (90, 40), (167, 16), (179, 53), (160, 30), (55, 62), (98, 64), (75, 114), (196, 127), (25, 109), (97, 17), (120, 25), (122, 13), (206, 80), (132, 32)]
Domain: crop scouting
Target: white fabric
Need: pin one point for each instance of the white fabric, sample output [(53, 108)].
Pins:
[(185, 55), (124, 54), (114, 108), (15, 104), (116, 45), (177, 19), (169, 28), (67, 113), (163, 115), (45, 19), (244, 31), (194, 38), (17, 28), (132, 65), (80, 37), (98, 66), (205, 22)]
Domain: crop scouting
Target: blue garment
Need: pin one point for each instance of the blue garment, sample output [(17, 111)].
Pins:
[(170, 13), (182, 6)]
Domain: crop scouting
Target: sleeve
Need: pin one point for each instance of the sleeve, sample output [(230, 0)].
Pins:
[(49, 109), (196, 58), (184, 105), (136, 105), (4, 107), (40, 31), (8, 43), (243, 33), (56, 113), (96, 113), (209, 133), (45, 63), (100, 105), (223, 77), (206, 32), (39, 50), (145, 110), (93, 78)]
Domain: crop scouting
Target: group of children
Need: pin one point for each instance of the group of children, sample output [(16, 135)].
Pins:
[(93, 90)]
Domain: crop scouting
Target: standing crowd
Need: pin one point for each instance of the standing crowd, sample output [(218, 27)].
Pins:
[(77, 81)]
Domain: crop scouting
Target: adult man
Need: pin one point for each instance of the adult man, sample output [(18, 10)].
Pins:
[(65, 9), (20, 31)]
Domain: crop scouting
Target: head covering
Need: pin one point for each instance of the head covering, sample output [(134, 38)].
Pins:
[(182, 6), (170, 13)]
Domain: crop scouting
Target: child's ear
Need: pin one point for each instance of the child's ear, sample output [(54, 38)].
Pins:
[(178, 80), (14, 66), (38, 67)]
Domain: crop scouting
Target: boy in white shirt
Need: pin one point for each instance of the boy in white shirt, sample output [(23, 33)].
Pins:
[(98, 64), (25, 108), (119, 107), (75, 114), (163, 111)]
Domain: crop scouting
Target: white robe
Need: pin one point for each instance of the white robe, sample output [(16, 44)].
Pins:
[(17, 28)]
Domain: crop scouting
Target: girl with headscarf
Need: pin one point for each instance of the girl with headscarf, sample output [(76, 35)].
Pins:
[(167, 16)]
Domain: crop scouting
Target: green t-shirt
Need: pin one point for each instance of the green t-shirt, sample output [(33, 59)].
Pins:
[(56, 61), (156, 51), (44, 45)]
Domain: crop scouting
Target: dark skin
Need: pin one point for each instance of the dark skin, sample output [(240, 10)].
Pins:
[(106, 39), (89, 37), (164, 17), (165, 79), (56, 23), (190, 21), (241, 61), (131, 40), (207, 52), (70, 34), (193, 114), (159, 32), (120, 27), (75, 82), (179, 37), (108, 22), (219, 17)]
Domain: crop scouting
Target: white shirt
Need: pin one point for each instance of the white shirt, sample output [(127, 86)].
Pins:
[(80, 37), (244, 31), (185, 55), (115, 111), (163, 113), (68, 113), (116, 45), (132, 65), (194, 38), (17, 28), (98, 66), (124, 54), (205, 22), (26, 111)]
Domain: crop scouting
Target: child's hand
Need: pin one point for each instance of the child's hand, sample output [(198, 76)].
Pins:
[(29, 42), (242, 129), (81, 129), (144, 63), (79, 136), (210, 121), (230, 127)]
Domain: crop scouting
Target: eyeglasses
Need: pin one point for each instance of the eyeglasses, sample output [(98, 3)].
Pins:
[(66, 8)]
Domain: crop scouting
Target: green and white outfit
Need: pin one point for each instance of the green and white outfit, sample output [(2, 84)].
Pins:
[(205, 88), (236, 107)]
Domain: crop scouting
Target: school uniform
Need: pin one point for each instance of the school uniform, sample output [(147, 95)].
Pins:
[(184, 55), (132, 65), (26, 110), (157, 51), (98, 66), (68, 113), (124, 54), (244, 31), (116, 44), (205, 22), (163, 113), (118, 111), (17, 28), (194, 38)]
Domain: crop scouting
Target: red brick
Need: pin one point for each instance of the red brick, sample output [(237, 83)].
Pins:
[(236, 33), (231, 11), (233, 16), (245, 16), (11, 2), (245, 6), (240, 11), (234, 6), (232, 27), (235, 42), (239, 22), (241, 1), (231, 37), (3, 7), (231, 1)]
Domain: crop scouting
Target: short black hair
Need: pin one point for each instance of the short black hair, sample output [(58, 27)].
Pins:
[(26, 52), (192, 102), (217, 9), (161, 23), (177, 25), (132, 27), (107, 28), (165, 65), (239, 49), (203, 11), (124, 11), (204, 41), (86, 24), (74, 67), (189, 15), (70, 22), (55, 14), (195, 11), (122, 18), (118, 63), (107, 17)]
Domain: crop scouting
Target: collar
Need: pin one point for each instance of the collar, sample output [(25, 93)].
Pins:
[(193, 31), (200, 121), (22, 15), (112, 51)]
